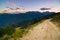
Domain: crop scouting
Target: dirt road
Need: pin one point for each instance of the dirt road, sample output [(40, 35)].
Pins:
[(43, 31)]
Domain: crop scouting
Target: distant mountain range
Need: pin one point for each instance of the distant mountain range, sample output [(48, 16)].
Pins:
[(7, 18)]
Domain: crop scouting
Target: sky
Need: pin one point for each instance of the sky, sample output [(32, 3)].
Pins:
[(29, 5)]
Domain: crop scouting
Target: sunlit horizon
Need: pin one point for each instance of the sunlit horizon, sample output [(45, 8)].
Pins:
[(10, 6)]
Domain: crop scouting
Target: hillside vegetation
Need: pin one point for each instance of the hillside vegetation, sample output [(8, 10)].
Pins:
[(56, 19), (16, 31), (47, 30)]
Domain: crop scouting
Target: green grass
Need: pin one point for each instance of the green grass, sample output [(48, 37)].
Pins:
[(56, 20), (18, 32)]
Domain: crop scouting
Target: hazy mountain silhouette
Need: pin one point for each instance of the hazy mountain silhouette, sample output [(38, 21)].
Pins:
[(6, 18)]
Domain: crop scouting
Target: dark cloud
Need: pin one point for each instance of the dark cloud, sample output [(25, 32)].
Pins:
[(45, 9), (17, 9), (11, 8)]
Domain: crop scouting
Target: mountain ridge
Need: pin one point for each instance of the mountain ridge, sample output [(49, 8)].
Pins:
[(13, 19)]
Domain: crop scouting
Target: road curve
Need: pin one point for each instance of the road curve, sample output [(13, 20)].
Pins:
[(43, 31)]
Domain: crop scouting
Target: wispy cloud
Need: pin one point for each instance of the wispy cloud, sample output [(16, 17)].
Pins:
[(12, 4)]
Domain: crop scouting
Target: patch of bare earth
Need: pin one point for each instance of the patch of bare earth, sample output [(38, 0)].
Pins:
[(43, 31)]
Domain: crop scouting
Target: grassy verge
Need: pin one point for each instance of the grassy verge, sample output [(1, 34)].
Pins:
[(17, 32)]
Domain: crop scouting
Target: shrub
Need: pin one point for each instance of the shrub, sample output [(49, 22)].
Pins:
[(9, 29)]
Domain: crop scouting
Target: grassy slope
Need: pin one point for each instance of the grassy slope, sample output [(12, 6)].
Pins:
[(56, 19), (20, 31)]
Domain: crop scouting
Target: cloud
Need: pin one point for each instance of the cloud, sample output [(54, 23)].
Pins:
[(11, 8), (12, 4), (45, 9), (17, 9), (6, 11), (7, 7), (21, 5)]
